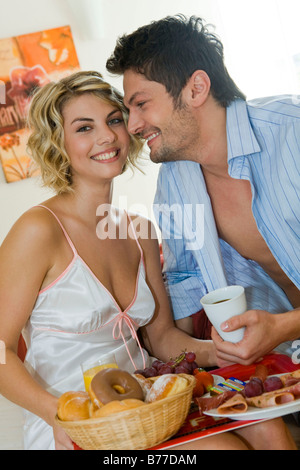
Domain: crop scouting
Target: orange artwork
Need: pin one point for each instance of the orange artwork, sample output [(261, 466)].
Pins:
[(28, 62)]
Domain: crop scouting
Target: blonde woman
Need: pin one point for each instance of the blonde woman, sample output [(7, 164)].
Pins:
[(73, 292)]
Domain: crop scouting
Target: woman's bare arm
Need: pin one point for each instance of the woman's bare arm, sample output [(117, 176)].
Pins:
[(161, 337), (26, 257)]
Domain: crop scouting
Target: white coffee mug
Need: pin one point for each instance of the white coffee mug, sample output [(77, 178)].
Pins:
[(222, 304)]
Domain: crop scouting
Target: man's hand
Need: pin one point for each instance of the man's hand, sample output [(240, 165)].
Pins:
[(260, 338)]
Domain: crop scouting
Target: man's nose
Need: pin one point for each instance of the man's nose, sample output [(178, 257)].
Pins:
[(135, 123)]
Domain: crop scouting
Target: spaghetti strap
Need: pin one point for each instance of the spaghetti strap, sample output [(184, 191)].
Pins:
[(131, 224), (61, 226)]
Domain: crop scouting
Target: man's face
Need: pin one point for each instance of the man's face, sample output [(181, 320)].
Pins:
[(170, 132)]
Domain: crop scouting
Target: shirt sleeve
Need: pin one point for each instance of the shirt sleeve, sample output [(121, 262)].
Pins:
[(184, 288)]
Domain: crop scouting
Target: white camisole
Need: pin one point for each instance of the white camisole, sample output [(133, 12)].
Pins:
[(76, 319)]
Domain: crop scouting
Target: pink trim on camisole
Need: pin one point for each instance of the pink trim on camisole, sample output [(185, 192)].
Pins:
[(122, 315), (75, 254), (62, 227)]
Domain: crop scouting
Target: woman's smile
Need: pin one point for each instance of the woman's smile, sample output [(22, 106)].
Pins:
[(107, 157)]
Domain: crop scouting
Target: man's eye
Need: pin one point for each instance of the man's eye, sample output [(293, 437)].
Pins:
[(141, 104)]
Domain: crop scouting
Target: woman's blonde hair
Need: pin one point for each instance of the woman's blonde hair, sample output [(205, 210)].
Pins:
[(46, 142)]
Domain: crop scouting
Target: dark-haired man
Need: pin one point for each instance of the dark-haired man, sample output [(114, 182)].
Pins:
[(240, 160)]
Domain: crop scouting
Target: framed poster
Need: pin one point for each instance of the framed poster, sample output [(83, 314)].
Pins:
[(27, 62)]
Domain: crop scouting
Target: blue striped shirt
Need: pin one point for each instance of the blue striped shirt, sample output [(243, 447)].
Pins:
[(263, 139)]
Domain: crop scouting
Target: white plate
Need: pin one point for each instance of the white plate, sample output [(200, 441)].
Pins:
[(259, 413), (254, 413)]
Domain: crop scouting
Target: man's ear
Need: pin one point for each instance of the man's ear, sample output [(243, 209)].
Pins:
[(197, 88)]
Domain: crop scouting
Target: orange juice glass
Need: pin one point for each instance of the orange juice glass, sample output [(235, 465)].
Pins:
[(91, 368)]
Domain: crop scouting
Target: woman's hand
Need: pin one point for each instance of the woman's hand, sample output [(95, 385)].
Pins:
[(62, 440)]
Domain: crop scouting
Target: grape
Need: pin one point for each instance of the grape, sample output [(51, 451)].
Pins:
[(194, 365), (190, 357), (180, 370), (187, 365), (183, 364), (272, 383), (150, 372), (157, 364), (166, 369), (171, 364), (253, 388)]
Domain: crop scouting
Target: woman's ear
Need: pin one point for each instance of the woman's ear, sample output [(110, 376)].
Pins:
[(197, 88)]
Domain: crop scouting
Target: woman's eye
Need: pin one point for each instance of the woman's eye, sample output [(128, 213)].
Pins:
[(83, 129), (141, 104), (115, 121)]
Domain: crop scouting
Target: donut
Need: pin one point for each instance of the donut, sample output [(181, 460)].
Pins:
[(73, 406), (166, 386), (117, 407), (107, 384)]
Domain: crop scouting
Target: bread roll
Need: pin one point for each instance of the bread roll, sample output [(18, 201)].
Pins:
[(166, 386), (73, 406), (144, 382), (117, 407)]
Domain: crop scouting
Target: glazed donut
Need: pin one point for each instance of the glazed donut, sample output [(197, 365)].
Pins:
[(107, 384), (73, 406), (166, 386), (117, 407)]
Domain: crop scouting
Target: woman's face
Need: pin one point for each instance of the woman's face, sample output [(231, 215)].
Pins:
[(96, 138)]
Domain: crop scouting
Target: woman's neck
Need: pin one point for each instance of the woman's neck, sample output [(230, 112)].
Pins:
[(89, 201)]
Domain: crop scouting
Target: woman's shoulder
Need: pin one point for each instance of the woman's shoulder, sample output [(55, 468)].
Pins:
[(34, 226)]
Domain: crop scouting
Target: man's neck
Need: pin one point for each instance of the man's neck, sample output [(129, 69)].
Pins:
[(213, 154)]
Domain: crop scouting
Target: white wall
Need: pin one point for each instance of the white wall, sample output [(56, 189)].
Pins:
[(261, 38)]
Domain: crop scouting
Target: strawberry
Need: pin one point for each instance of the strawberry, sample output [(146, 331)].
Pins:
[(205, 378), (198, 389)]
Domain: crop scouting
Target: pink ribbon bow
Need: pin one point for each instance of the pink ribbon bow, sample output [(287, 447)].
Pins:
[(122, 316)]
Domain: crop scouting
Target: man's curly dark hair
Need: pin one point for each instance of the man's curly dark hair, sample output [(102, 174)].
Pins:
[(170, 50)]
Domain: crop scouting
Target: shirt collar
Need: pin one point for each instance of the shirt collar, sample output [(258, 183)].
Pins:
[(241, 139)]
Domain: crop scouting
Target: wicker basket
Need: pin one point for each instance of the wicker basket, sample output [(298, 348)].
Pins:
[(136, 429)]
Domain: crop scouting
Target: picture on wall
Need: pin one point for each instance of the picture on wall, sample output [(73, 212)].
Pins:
[(28, 62)]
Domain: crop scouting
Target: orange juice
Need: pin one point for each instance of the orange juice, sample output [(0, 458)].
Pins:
[(90, 373)]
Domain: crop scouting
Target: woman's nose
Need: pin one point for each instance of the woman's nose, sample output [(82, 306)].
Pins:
[(106, 137)]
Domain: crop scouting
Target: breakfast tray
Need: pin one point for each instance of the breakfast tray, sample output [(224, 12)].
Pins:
[(197, 427)]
